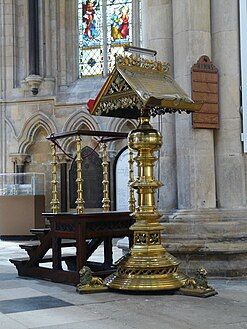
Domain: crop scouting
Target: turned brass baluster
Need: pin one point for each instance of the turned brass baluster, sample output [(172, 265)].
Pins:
[(54, 201), (105, 182), (131, 180), (79, 178)]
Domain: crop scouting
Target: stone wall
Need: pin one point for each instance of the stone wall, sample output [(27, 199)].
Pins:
[(60, 104)]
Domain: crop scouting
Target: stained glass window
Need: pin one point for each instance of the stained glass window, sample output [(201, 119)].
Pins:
[(105, 27)]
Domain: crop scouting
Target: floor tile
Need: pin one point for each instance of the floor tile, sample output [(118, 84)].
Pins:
[(8, 276), (22, 292), (29, 304), (7, 323), (56, 317)]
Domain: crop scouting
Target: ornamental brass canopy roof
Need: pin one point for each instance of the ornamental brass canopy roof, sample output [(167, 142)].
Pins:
[(137, 83)]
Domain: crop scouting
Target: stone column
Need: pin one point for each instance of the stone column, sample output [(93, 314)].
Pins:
[(67, 42), (9, 47), (157, 34), (231, 190), (48, 40), (195, 147), (19, 160), (2, 86)]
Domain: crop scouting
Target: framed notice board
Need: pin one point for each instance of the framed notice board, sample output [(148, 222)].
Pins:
[(204, 86)]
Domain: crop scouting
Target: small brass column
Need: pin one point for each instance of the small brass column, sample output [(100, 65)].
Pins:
[(105, 182), (149, 266), (131, 180), (79, 178), (54, 200)]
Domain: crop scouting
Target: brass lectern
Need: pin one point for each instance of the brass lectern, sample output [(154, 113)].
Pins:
[(139, 88)]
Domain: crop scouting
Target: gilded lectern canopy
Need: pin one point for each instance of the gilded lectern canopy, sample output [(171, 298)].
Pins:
[(137, 83)]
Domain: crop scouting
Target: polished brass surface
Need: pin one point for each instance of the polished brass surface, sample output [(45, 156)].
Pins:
[(79, 178), (137, 83), (148, 266), (88, 283), (131, 180), (140, 88), (54, 200), (105, 182), (197, 286)]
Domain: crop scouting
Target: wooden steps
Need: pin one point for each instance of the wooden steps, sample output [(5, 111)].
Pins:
[(85, 232), (30, 247)]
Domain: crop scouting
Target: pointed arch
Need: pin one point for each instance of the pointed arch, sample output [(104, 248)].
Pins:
[(11, 126), (119, 124), (78, 118), (30, 128)]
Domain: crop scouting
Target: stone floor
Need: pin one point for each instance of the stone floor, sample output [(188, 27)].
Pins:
[(31, 303)]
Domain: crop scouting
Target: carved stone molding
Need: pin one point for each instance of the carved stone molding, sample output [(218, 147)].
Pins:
[(20, 158), (34, 81)]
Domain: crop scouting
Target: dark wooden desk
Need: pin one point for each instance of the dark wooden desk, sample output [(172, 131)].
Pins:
[(88, 231)]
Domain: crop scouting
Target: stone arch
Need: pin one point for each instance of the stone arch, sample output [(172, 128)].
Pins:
[(120, 124), (11, 126), (78, 120), (40, 155), (30, 128), (79, 117)]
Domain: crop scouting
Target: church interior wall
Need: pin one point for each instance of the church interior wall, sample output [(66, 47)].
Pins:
[(62, 94), (204, 171)]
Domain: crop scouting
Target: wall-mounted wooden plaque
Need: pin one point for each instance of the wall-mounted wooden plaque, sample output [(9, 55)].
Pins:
[(204, 86)]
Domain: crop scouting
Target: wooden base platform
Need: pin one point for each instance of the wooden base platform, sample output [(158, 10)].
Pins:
[(86, 232)]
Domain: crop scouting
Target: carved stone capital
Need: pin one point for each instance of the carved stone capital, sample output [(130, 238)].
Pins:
[(63, 158), (112, 154), (20, 158)]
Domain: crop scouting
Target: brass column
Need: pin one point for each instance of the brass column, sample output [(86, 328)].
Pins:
[(105, 182), (54, 201), (149, 266), (79, 178), (131, 180)]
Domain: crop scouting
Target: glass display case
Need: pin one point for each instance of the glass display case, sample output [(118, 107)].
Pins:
[(22, 202), (22, 184)]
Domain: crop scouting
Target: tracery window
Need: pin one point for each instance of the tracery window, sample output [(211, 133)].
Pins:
[(105, 27)]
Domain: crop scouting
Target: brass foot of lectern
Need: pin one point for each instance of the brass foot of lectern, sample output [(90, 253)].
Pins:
[(148, 266)]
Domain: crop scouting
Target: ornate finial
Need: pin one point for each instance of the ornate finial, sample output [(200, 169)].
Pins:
[(141, 62)]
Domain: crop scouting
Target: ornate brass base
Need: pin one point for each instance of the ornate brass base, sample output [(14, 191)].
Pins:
[(90, 290), (146, 272), (149, 267)]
